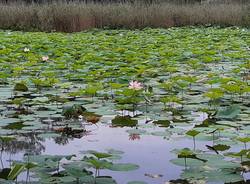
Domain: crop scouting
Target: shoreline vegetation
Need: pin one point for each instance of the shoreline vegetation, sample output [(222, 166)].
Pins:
[(75, 16)]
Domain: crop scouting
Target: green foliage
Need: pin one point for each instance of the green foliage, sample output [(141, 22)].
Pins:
[(229, 113), (244, 139), (15, 171), (162, 123), (124, 121), (73, 111), (182, 72), (123, 167), (192, 133), (92, 89), (20, 87), (214, 93), (100, 155)]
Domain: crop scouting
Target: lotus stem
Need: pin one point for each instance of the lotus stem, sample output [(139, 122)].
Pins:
[(185, 161), (134, 109), (1, 157), (27, 175), (58, 167), (194, 142), (213, 138), (95, 175)]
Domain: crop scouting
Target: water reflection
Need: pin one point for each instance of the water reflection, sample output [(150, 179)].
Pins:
[(24, 142), (62, 140), (65, 137), (134, 137), (74, 139)]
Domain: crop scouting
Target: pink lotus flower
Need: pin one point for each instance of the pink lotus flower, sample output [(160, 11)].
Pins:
[(135, 85), (45, 58), (26, 49)]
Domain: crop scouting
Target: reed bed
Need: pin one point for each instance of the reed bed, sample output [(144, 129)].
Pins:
[(77, 16)]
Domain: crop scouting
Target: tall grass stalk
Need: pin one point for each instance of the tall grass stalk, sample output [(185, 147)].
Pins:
[(74, 17)]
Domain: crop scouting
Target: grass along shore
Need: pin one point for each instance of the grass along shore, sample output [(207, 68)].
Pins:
[(74, 17)]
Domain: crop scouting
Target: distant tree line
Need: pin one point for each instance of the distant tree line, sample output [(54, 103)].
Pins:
[(99, 1), (121, 1)]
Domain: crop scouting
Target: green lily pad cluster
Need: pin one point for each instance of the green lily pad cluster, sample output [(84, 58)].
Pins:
[(176, 83)]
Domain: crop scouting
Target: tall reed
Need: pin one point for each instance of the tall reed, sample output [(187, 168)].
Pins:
[(73, 17)]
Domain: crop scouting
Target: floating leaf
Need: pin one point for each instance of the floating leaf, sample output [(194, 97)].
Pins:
[(100, 155), (124, 121), (21, 87), (123, 167), (221, 147), (189, 162), (244, 139), (137, 182), (229, 113), (192, 133), (162, 123), (73, 111)]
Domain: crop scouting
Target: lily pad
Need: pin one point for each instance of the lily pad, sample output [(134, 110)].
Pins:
[(123, 167)]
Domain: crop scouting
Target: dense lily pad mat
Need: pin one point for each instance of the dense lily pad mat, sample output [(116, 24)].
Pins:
[(178, 84)]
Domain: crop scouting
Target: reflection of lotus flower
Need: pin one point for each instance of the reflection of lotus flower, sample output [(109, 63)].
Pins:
[(26, 49), (135, 85), (45, 58), (134, 137)]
